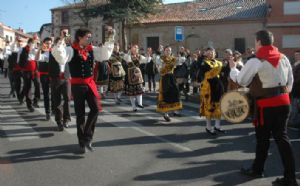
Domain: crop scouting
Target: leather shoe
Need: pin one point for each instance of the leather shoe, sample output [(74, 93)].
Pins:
[(251, 173), (283, 181), (140, 106), (177, 114), (90, 147), (81, 149), (219, 130), (47, 117), (213, 133), (31, 109), (65, 124), (167, 118), (36, 105), (60, 127)]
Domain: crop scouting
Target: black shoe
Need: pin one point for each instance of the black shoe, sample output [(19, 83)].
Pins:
[(21, 100), (213, 133), (177, 114), (31, 109), (82, 149), (285, 182), (134, 110), (47, 117), (65, 124), (60, 127), (167, 118), (140, 106), (90, 147), (251, 173), (36, 105), (219, 130)]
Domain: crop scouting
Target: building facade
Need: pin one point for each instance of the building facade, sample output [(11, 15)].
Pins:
[(284, 21), (219, 24), (6, 34), (67, 17), (216, 23)]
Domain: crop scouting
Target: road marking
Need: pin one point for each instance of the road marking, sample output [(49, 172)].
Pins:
[(11, 129), (72, 123), (122, 122)]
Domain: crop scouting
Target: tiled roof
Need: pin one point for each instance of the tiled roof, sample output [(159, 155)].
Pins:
[(209, 10)]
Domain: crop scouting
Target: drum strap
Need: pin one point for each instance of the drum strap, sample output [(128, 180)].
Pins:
[(275, 101)]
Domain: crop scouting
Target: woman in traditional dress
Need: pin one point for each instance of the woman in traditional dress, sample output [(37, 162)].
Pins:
[(168, 98), (134, 79), (211, 91), (117, 74)]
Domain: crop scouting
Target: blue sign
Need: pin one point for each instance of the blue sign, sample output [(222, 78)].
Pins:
[(179, 36)]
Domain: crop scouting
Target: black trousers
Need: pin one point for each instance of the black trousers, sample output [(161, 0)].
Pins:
[(45, 87), (59, 90), (85, 129), (11, 81), (151, 80), (28, 78), (17, 75), (275, 123)]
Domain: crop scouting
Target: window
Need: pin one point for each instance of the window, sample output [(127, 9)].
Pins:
[(291, 8), (240, 45), (153, 42), (64, 17), (290, 41)]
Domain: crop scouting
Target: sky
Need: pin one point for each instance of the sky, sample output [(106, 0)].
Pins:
[(30, 15)]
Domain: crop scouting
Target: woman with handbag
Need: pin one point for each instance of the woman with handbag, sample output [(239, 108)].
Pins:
[(134, 79)]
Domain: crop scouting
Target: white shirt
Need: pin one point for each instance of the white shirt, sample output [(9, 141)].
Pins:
[(269, 76), (44, 57), (63, 54), (7, 52)]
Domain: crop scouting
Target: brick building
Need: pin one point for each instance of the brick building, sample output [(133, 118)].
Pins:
[(283, 20)]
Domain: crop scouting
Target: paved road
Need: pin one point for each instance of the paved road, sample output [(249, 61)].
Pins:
[(131, 149)]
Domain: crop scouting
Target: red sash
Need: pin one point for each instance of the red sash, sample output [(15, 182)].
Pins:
[(17, 67), (92, 85), (275, 101), (32, 67), (43, 73)]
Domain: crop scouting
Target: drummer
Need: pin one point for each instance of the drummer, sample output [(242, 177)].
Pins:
[(211, 91)]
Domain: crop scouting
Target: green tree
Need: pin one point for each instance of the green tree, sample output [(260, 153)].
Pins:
[(125, 11)]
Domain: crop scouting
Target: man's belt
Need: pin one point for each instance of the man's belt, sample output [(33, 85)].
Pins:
[(276, 101), (91, 84)]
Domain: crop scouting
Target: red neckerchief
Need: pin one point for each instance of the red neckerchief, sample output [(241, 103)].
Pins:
[(269, 53), (27, 48), (82, 51)]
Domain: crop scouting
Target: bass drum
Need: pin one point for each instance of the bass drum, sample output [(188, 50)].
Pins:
[(236, 106)]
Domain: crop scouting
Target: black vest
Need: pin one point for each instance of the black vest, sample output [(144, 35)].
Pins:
[(80, 68), (23, 57), (53, 67), (12, 60)]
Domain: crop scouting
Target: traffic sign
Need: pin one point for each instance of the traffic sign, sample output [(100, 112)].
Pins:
[(179, 33)]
